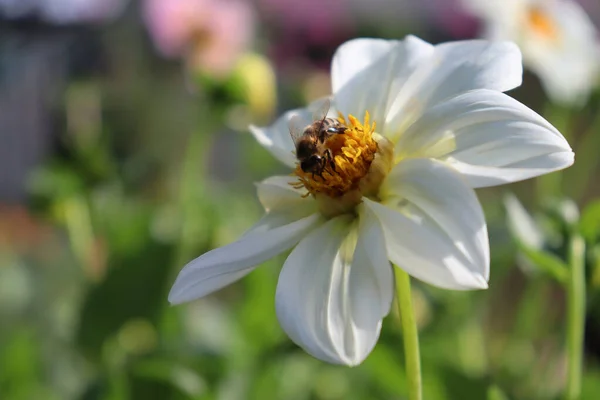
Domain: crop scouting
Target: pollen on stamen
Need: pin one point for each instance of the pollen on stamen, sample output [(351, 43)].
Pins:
[(353, 152)]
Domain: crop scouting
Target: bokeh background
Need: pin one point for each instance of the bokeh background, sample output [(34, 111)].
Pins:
[(124, 153)]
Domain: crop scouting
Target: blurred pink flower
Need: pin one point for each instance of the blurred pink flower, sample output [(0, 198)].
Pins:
[(209, 34)]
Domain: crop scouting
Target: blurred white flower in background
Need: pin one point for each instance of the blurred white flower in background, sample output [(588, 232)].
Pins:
[(542, 237), (436, 125), (209, 34), (558, 40), (64, 11), (522, 225)]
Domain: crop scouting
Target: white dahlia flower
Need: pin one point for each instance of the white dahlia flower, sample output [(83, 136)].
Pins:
[(434, 125), (558, 40)]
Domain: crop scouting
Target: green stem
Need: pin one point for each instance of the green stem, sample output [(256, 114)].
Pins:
[(575, 316), (410, 334)]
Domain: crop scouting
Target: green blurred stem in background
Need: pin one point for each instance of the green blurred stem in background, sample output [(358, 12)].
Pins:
[(410, 334), (575, 316)]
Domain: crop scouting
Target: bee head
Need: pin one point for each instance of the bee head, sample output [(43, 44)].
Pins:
[(305, 149)]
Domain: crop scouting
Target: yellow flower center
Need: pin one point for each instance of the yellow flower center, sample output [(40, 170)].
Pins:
[(361, 159), (542, 24)]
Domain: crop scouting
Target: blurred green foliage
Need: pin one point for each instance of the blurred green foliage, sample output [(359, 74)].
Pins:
[(148, 176)]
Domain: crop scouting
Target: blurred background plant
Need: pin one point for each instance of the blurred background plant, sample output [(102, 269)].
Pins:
[(124, 154)]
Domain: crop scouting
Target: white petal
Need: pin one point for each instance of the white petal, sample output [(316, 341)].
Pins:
[(489, 137), (282, 202), (433, 225), (354, 56), (367, 73), (276, 192), (453, 68), (276, 138), (330, 300), (220, 267), (372, 243), (474, 64), (371, 288)]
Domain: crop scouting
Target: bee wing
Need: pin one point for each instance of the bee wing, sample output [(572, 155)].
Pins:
[(321, 109), (296, 125)]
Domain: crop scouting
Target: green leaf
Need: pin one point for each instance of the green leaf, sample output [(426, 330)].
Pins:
[(589, 224), (20, 358), (135, 287), (595, 277), (547, 262), (590, 384), (461, 386), (495, 393), (185, 379), (57, 180)]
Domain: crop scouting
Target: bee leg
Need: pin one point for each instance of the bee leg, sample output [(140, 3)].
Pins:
[(330, 159), (323, 167)]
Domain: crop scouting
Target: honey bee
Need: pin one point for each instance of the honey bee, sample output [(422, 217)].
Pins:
[(310, 139)]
